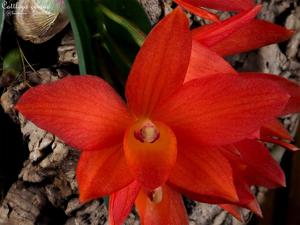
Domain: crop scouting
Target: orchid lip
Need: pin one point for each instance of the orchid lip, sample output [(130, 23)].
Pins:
[(147, 133), (150, 150)]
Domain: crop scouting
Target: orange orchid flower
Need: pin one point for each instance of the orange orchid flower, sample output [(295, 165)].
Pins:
[(181, 131)]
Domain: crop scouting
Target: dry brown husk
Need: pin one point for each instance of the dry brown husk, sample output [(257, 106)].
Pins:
[(37, 24)]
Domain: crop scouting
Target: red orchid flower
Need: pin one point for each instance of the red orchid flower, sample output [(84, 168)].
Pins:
[(238, 34), (173, 135)]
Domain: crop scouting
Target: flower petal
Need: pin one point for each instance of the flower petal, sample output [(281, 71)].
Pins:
[(254, 207), (100, 173), (254, 35), (205, 62), (150, 162), (170, 211), (292, 88), (204, 174), (262, 169), (212, 34), (281, 143), (234, 211), (197, 11), (246, 198), (208, 110), (121, 203), (275, 129), (83, 111), (160, 65), (228, 5)]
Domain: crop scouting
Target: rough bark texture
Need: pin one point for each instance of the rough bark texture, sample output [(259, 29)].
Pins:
[(46, 190)]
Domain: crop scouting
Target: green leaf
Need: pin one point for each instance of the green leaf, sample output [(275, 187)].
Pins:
[(12, 63), (126, 26), (108, 35), (12, 67), (131, 10), (2, 17), (77, 12), (137, 34)]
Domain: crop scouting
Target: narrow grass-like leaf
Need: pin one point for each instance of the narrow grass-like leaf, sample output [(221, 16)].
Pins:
[(137, 34), (82, 34), (108, 35), (2, 17), (131, 10)]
